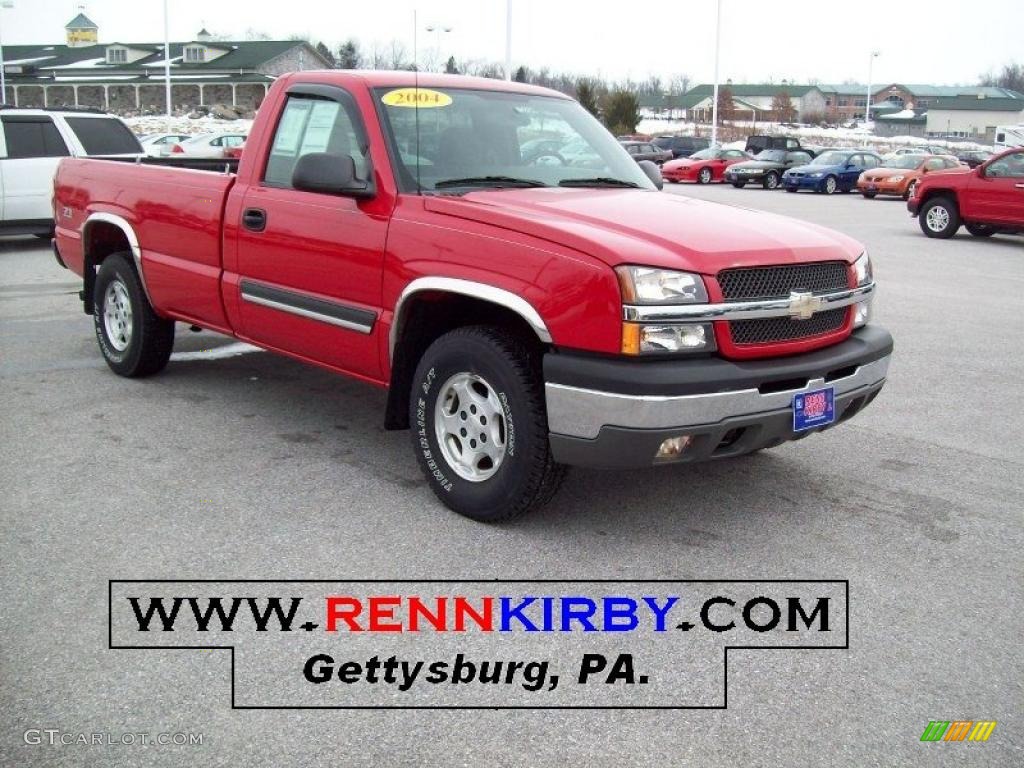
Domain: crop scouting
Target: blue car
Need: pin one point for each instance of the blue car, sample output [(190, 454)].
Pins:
[(831, 171)]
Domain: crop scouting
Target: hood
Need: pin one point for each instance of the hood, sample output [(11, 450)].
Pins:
[(756, 164), (683, 162), (884, 173), (631, 226), (817, 168)]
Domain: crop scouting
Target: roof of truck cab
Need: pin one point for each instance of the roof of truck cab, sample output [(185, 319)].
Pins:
[(405, 79)]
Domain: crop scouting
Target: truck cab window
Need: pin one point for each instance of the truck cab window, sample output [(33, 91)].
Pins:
[(33, 138), (311, 125)]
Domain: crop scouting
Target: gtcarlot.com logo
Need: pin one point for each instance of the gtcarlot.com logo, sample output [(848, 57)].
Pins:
[(958, 730)]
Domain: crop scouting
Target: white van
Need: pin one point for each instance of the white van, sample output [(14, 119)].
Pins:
[(1009, 136), (32, 142)]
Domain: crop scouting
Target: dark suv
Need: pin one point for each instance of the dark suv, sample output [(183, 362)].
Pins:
[(682, 146)]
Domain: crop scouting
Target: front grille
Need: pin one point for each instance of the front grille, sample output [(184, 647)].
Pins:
[(769, 329), (757, 283), (748, 284)]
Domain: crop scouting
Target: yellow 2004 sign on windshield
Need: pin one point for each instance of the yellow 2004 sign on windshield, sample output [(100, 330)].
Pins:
[(416, 97)]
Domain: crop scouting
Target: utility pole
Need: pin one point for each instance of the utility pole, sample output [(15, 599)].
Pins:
[(714, 96)]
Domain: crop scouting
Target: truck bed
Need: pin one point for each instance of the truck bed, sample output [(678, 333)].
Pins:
[(219, 165), (175, 209)]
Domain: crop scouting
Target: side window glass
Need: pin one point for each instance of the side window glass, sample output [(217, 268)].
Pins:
[(33, 138), (311, 125), (935, 164)]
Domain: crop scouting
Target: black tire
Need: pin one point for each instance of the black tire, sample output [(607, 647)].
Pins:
[(770, 180), (44, 235), (791, 189), (672, 181), (939, 217), (148, 345), (830, 185), (869, 195), (739, 184), (526, 477), (980, 230), (705, 175)]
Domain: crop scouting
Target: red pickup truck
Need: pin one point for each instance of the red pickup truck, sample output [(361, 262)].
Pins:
[(525, 311), (987, 200)]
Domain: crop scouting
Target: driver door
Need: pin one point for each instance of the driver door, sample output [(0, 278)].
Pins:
[(310, 263)]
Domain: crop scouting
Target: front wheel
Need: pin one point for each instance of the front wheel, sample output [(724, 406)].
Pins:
[(911, 190), (704, 177), (771, 180), (869, 195), (479, 425), (739, 184), (939, 218), (981, 230), (830, 186), (133, 339)]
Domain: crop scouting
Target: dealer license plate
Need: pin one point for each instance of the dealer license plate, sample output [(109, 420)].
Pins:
[(814, 409)]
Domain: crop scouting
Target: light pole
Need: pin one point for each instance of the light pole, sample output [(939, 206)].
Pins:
[(867, 104), (3, 75), (714, 93), (437, 30), (167, 63), (508, 39)]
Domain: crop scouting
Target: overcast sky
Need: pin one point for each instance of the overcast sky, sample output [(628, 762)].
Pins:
[(934, 41)]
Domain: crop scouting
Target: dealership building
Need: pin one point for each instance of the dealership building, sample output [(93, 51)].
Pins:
[(128, 77)]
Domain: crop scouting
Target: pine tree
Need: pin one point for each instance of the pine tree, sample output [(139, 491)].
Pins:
[(349, 55), (586, 95), (621, 112)]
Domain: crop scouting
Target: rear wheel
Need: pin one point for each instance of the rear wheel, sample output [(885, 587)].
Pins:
[(830, 185), (939, 217), (479, 425), (134, 340), (704, 177), (771, 180), (981, 230)]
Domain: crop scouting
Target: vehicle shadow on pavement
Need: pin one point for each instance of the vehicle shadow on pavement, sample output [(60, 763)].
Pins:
[(303, 415)]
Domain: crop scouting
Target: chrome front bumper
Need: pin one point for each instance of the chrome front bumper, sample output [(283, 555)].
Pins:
[(576, 412)]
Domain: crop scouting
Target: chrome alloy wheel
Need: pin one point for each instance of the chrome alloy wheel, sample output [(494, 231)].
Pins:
[(470, 426), (830, 185), (117, 315), (937, 218)]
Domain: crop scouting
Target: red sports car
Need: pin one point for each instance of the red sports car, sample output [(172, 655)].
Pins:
[(704, 167)]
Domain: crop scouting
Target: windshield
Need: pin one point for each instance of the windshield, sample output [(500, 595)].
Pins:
[(663, 142), (831, 158), (772, 155), (705, 154), (907, 162), (461, 139)]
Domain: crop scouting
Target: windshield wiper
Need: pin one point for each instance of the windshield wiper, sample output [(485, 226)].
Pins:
[(598, 181), (488, 181)]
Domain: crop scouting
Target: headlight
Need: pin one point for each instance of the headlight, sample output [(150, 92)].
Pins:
[(817, 174), (646, 285), (862, 269), (897, 178), (638, 339)]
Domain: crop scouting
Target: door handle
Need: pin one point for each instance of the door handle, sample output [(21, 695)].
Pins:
[(1019, 186), (254, 219)]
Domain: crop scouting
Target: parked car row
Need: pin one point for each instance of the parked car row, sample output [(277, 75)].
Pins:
[(213, 145)]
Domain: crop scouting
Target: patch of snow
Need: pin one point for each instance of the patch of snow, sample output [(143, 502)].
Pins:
[(216, 353), (83, 64), (27, 61), (154, 124)]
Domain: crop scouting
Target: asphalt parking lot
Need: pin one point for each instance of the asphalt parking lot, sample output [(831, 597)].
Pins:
[(252, 466)]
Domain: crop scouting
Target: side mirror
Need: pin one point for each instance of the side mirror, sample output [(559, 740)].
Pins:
[(329, 174), (980, 171), (653, 172)]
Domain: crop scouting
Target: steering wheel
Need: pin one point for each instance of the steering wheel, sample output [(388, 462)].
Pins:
[(547, 158)]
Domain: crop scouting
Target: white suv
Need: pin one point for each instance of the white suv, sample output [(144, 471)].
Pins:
[(32, 142)]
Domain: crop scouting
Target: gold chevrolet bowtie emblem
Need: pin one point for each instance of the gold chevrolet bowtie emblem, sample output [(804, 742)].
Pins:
[(803, 304)]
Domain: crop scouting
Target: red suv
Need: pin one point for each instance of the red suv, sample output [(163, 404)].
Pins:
[(987, 200)]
